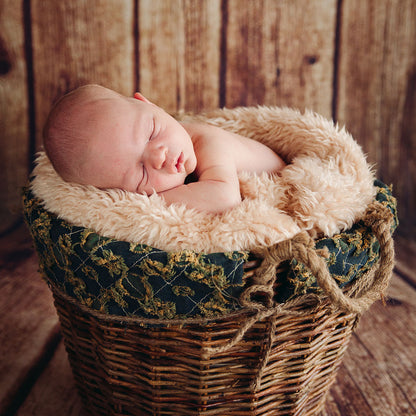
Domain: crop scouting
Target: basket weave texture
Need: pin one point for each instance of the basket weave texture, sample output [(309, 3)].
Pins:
[(267, 358), (123, 368)]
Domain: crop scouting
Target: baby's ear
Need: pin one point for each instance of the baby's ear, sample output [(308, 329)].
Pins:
[(141, 97)]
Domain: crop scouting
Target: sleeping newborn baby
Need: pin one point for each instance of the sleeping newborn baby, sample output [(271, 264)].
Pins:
[(95, 136)]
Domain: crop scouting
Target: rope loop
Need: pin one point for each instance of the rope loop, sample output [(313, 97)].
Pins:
[(265, 277), (302, 248)]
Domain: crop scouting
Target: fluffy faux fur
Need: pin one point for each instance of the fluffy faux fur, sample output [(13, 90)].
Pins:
[(326, 186)]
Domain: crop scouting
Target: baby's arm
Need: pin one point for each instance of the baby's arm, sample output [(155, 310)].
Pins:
[(213, 196), (217, 188), (221, 155)]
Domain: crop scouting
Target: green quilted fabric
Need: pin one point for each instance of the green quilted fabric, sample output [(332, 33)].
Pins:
[(121, 278), (351, 254), (127, 279)]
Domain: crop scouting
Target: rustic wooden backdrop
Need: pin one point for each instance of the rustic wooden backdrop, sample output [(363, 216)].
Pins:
[(352, 60)]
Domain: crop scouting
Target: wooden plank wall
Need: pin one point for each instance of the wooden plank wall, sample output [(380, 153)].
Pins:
[(352, 60)]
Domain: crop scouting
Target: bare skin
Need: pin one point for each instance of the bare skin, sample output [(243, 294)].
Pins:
[(134, 145)]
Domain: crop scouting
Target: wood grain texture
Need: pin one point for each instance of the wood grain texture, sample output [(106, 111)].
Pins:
[(79, 42), (378, 373), (406, 259), (281, 53), (196, 55), (376, 97), (14, 128), (179, 53), (55, 392), (28, 327)]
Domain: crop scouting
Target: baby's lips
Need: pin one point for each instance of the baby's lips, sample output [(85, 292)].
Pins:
[(175, 165), (180, 167)]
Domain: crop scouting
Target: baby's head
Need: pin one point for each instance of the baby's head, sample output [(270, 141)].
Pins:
[(95, 136)]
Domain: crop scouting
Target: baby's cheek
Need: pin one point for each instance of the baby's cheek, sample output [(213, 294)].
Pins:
[(165, 182)]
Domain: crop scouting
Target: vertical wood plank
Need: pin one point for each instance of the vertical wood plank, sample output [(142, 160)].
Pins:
[(202, 54), (79, 42), (179, 50), (14, 142), (281, 53), (377, 91), (161, 44)]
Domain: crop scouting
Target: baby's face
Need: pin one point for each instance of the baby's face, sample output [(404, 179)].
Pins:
[(134, 145)]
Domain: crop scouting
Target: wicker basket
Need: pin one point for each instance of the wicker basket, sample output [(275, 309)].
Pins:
[(264, 359), (136, 367)]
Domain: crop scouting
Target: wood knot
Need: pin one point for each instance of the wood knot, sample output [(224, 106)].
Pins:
[(311, 59)]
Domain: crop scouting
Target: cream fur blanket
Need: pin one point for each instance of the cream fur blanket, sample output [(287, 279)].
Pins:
[(325, 188)]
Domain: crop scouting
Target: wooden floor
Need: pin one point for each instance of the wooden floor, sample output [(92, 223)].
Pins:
[(377, 377)]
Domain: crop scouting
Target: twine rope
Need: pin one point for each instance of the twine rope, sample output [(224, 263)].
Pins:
[(369, 288)]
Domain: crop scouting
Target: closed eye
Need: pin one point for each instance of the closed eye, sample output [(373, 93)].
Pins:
[(142, 181), (152, 134)]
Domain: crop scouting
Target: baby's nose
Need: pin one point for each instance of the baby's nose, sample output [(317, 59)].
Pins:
[(158, 157)]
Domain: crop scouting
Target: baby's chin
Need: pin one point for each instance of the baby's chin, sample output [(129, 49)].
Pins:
[(179, 181)]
